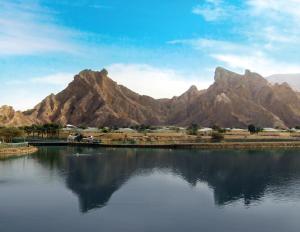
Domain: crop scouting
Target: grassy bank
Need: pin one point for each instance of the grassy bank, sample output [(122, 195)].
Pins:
[(7, 152)]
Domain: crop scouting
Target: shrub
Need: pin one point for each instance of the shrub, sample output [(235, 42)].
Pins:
[(217, 137), (83, 127), (8, 133), (252, 129), (193, 129), (105, 130), (215, 127)]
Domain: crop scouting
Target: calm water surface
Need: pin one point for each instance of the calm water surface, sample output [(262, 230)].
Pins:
[(128, 190)]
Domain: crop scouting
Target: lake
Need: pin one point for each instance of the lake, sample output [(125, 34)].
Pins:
[(105, 189)]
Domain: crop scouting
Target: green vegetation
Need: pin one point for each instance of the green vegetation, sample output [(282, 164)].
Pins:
[(253, 129), (83, 127), (141, 128), (48, 130), (8, 133), (215, 127), (106, 130), (193, 129), (217, 137)]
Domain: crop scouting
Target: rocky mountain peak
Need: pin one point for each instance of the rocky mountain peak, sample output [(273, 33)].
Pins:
[(88, 73), (234, 100), (228, 78), (193, 89), (223, 75), (89, 79)]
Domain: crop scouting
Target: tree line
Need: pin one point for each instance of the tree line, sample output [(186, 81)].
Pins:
[(8, 133), (47, 130)]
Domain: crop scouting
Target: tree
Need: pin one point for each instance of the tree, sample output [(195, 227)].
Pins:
[(193, 129), (52, 129), (217, 137), (8, 133), (215, 127), (28, 130), (115, 128), (83, 127), (105, 130), (252, 129)]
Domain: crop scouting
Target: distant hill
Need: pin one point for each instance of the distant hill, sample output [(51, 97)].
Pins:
[(292, 79), (233, 100)]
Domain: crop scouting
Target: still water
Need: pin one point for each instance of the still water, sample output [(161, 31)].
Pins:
[(128, 190)]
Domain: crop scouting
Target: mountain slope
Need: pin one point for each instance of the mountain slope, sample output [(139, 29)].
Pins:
[(292, 79), (10, 117), (233, 100), (94, 99), (238, 100)]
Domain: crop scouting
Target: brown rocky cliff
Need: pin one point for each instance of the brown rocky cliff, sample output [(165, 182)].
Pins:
[(233, 100), (10, 117)]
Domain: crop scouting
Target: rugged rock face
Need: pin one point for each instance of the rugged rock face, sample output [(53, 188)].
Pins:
[(10, 117), (237, 100), (234, 100), (94, 99)]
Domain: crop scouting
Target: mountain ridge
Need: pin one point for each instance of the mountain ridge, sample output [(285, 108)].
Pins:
[(292, 80), (233, 100)]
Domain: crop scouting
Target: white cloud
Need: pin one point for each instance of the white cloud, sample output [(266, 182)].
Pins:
[(239, 56), (257, 62), (273, 8), (213, 10), (155, 82), (264, 35), (60, 79), (28, 29), (25, 94), (20, 98), (211, 44)]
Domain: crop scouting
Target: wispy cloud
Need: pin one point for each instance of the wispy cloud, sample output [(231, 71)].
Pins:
[(213, 10), (155, 82), (275, 8), (27, 93), (205, 44), (60, 79), (56, 80), (265, 39), (29, 29), (258, 62)]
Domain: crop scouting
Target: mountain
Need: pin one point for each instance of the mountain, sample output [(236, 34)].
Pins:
[(292, 79), (10, 117), (238, 100), (233, 100), (92, 98)]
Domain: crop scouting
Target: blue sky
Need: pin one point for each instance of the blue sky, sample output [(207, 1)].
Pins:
[(157, 47)]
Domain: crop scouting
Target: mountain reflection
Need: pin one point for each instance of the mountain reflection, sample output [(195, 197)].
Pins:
[(96, 174)]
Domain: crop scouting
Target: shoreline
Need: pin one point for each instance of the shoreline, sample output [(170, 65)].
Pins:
[(217, 145), (17, 151)]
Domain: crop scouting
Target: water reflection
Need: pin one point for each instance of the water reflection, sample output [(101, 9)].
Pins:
[(233, 175)]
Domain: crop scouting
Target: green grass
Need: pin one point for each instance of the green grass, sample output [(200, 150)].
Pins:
[(2, 145), (5, 145)]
